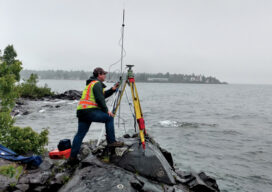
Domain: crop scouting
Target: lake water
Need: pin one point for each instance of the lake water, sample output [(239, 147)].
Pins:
[(223, 130)]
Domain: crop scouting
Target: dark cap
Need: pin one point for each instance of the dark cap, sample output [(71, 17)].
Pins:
[(98, 71)]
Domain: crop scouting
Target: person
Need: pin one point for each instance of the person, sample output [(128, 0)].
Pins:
[(92, 108)]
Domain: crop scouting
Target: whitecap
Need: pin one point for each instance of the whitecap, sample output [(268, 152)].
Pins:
[(167, 123), (61, 101), (46, 102), (42, 110), (172, 123)]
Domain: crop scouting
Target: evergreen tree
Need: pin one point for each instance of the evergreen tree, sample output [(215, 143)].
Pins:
[(21, 140)]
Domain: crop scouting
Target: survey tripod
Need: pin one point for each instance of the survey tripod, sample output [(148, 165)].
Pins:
[(130, 80)]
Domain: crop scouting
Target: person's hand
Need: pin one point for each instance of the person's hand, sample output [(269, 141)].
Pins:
[(110, 114), (116, 85)]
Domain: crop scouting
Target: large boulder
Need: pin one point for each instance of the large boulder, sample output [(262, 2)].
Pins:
[(148, 162)]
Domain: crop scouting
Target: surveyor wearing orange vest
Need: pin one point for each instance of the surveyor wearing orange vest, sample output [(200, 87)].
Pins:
[(92, 108)]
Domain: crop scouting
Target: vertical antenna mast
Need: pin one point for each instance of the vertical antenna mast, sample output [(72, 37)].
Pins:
[(122, 49), (122, 54)]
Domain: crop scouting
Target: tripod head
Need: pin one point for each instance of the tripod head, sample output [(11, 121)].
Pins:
[(130, 66), (130, 72)]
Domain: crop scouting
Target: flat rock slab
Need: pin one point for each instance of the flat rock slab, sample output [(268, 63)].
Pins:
[(109, 178)]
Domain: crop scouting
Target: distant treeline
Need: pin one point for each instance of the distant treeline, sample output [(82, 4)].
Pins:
[(113, 76)]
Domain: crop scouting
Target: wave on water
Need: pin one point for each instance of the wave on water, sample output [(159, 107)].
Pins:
[(172, 123), (55, 102), (231, 132), (73, 102)]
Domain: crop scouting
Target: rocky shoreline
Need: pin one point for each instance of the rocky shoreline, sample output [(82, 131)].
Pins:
[(104, 169), (21, 107)]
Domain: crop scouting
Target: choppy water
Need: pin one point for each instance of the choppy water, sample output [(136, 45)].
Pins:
[(224, 130)]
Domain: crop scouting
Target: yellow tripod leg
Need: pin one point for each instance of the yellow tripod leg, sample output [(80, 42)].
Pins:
[(136, 103), (138, 112)]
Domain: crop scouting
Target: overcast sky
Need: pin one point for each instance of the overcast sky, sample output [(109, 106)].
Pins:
[(228, 39)]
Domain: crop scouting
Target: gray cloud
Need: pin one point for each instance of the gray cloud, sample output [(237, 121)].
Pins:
[(229, 39)]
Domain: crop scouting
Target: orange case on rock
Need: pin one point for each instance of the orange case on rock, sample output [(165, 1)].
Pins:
[(56, 154)]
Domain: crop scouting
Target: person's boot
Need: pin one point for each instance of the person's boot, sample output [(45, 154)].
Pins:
[(73, 161)]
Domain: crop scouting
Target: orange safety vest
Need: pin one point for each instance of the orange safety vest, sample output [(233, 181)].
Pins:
[(87, 100)]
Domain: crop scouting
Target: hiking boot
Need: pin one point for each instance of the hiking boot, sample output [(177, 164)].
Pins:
[(73, 161), (116, 144)]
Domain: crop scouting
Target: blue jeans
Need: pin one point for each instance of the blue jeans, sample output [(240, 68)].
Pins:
[(84, 124)]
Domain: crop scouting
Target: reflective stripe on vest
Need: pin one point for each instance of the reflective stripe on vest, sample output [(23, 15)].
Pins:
[(87, 100), (84, 102)]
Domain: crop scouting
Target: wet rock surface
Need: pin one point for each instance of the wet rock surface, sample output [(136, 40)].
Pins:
[(68, 95), (111, 169), (21, 107)]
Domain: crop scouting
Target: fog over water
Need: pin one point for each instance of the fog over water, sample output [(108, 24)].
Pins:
[(228, 39)]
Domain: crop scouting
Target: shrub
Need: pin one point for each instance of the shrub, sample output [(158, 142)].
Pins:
[(24, 140), (29, 88)]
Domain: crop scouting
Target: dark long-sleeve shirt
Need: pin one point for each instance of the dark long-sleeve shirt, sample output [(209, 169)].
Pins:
[(98, 95)]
